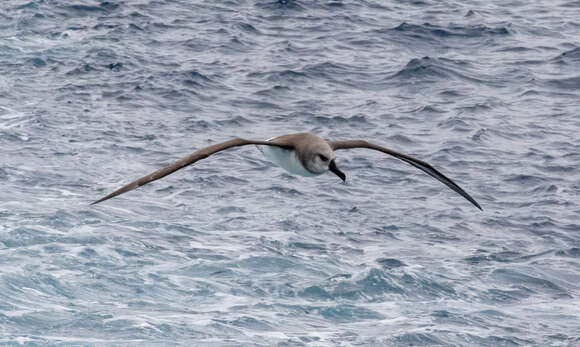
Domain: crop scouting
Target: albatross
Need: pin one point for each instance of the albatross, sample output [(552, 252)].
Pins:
[(302, 154)]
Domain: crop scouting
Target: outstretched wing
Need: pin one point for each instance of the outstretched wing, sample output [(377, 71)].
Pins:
[(190, 159), (430, 170)]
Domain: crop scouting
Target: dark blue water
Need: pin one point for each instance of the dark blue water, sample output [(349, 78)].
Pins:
[(233, 250)]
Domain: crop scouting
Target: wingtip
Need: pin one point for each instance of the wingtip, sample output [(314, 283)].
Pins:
[(100, 200), (475, 203)]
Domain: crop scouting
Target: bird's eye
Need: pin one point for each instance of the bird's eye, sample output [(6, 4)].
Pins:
[(323, 157)]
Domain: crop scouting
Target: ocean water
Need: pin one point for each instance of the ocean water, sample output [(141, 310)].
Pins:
[(233, 251)]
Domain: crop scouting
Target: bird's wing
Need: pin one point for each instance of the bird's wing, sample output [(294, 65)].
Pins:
[(190, 159), (430, 170)]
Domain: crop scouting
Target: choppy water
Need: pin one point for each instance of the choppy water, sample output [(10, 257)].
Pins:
[(233, 251)]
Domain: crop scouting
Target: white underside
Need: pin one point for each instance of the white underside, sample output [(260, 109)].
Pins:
[(286, 159)]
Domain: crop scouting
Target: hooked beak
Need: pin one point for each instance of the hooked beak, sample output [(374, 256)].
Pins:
[(332, 167)]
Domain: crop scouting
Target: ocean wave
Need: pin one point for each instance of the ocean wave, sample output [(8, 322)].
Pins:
[(466, 31), (236, 251), (431, 69)]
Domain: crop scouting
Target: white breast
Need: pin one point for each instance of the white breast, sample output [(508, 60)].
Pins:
[(286, 159)]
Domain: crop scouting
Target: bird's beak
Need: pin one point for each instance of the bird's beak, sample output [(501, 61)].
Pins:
[(332, 167)]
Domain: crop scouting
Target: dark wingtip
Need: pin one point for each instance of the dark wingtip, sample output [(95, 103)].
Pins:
[(112, 195), (96, 202), (468, 197)]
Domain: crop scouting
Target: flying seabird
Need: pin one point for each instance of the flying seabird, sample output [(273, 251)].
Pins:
[(302, 154)]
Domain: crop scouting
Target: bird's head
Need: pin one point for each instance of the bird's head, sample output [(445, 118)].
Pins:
[(321, 159)]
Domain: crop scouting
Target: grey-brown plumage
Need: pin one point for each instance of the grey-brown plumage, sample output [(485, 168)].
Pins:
[(190, 159), (421, 165), (303, 154)]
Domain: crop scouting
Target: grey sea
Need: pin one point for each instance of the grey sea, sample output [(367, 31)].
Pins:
[(235, 251)]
